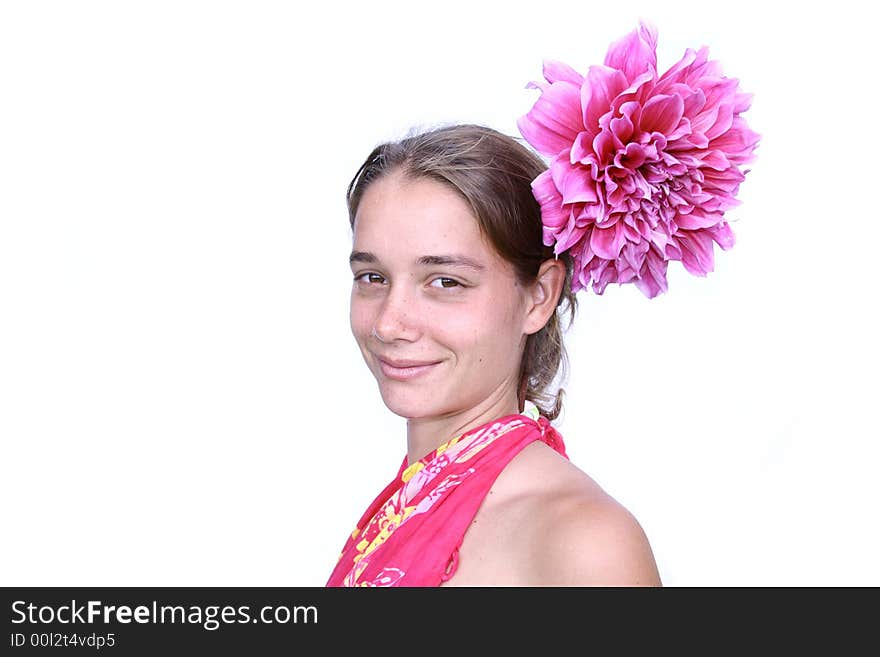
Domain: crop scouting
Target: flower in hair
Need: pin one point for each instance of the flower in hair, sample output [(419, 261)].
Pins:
[(642, 166)]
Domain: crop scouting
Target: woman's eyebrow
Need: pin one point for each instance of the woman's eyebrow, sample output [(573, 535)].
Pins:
[(449, 260), (454, 260), (361, 256)]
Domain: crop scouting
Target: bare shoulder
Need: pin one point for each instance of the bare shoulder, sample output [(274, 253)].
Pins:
[(576, 533), (591, 542)]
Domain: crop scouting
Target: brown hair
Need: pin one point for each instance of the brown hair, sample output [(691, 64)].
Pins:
[(493, 173)]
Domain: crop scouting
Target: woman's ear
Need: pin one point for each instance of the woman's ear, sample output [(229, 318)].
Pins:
[(545, 293)]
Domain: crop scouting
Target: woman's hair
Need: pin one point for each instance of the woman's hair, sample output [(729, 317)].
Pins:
[(493, 173)]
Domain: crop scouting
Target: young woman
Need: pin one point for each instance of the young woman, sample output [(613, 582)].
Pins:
[(456, 306)]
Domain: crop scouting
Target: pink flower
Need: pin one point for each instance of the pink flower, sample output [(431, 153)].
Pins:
[(642, 167)]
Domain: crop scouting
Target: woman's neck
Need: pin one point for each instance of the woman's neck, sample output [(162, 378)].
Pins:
[(424, 435)]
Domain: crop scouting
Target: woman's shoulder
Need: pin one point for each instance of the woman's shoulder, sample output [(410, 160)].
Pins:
[(574, 533), (591, 542)]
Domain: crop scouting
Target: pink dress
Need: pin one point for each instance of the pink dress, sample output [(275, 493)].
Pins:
[(410, 534)]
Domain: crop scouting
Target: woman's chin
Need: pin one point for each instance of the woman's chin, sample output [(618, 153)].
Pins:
[(411, 407)]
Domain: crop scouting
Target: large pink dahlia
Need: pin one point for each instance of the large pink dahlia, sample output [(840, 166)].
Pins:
[(642, 166)]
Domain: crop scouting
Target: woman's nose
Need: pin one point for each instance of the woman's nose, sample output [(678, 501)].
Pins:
[(397, 319)]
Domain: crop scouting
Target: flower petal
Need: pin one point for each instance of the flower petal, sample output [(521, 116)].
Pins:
[(662, 114), (653, 276), (696, 219), (554, 121), (696, 251), (601, 87), (573, 182), (555, 71), (635, 53), (553, 214), (723, 235), (568, 236), (607, 242), (677, 73)]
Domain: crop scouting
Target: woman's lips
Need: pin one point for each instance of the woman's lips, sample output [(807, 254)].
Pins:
[(404, 373)]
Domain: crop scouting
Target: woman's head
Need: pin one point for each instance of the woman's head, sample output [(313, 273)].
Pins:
[(461, 190)]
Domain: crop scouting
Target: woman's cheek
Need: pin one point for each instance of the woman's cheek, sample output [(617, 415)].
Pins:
[(360, 320), (462, 327)]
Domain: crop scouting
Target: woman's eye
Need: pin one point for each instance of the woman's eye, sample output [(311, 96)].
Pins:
[(369, 278), (454, 283), (368, 275)]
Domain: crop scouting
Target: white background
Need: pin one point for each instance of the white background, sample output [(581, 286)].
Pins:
[(181, 400)]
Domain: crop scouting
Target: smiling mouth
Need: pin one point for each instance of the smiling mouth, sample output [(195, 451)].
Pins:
[(404, 373)]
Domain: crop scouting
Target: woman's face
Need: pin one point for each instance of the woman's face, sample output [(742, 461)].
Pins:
[(465, 316)]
